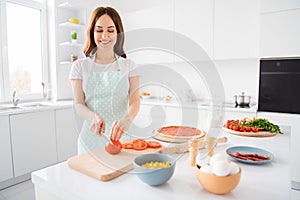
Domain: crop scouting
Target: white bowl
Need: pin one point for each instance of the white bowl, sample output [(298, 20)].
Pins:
[(146, 97)]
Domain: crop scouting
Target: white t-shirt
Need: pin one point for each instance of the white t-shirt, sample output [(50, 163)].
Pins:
[(81, 68)]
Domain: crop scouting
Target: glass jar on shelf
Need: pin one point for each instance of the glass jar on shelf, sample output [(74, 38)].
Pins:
[(73, 58), (74, 36)]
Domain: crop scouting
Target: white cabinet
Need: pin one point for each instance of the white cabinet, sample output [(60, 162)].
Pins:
[(159, 15), (6, 169), (156, 116), (184, 116), (67, 131), (280, 34), (195, 117), (194, 19), (149, 118), (152, 117), (293, 121), (236, 29), (173, 116), (268, 6), (146, 48), (224, 29), (33, 141)]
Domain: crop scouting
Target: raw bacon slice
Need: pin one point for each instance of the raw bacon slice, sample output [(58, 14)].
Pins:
[(252, 157)]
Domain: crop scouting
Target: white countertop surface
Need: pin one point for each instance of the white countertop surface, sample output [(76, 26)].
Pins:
[(268, 181), (196, 104), (28, 107)]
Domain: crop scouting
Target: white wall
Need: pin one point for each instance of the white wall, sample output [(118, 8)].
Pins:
[(239, 76)]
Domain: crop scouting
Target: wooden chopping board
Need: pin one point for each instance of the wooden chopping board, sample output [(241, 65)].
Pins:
[(103, 166)]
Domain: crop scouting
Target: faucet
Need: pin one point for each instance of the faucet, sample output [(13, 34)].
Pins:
[(15, 99), (44, 92)]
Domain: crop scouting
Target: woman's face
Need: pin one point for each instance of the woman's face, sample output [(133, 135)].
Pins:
[(105, 33)]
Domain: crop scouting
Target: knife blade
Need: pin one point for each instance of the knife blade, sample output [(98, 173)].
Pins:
[(105, 136)]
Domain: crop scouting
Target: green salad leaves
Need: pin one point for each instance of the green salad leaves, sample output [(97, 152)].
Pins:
[(265, 124)]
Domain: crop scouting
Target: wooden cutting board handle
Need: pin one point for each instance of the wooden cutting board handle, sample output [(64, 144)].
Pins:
[(184, 147), (219, 140)]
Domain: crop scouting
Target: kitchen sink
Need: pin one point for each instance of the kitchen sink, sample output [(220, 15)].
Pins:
[(24, 106), (4, 108), (35, 105)]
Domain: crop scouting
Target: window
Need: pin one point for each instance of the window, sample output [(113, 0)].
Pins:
[(23, 48)]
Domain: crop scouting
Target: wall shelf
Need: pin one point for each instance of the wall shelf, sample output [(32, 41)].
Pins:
[(65, 62), (71, 44), (71, 25), (65, 48), (68, 5)]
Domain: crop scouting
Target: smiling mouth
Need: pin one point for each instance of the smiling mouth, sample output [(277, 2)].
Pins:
[(105, 42)]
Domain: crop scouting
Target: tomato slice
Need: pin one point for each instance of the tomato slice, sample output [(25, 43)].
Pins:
[(153, 144), (139, 144), (127, 145)]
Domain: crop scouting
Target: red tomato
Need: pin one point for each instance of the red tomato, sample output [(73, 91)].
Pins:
[(139, 144), (229, 122), (117, 143), (112, 149), (242, 129), (236, 128), (228, 126), (153, 144), (248, 129), (254, 129)]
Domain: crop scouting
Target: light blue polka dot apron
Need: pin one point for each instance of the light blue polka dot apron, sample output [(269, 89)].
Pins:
[(107, 94)]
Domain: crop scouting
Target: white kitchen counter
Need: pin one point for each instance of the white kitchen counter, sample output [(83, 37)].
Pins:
[(196, 104), (269, 181), (29, 107)]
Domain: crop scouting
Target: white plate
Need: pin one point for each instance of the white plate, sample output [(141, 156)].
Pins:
[(146, 97)]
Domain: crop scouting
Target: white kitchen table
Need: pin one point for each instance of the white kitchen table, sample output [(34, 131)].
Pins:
[(268, 181)]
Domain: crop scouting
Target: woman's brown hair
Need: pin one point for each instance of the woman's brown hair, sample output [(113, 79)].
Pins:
[(90, 44)]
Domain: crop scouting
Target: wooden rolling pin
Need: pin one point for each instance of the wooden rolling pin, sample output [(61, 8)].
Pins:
[(184, 147)]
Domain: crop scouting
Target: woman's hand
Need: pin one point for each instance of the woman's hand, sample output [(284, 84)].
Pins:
[(119, 127), (98, 125)]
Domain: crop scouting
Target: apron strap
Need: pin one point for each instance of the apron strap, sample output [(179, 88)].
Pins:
[(94, 58)]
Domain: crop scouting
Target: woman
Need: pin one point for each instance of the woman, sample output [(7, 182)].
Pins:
[(105, 84)]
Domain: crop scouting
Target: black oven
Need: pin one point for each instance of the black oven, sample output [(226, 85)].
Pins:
[(279, 85)]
